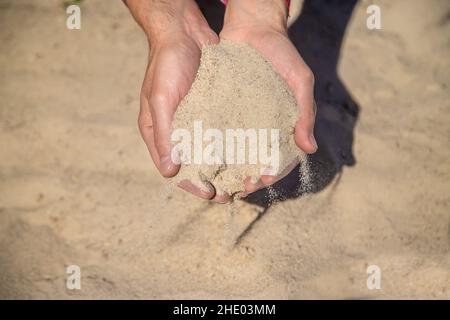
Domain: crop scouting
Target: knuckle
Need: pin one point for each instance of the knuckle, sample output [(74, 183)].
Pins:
[(309, 76), (144, 121), (213, 37)]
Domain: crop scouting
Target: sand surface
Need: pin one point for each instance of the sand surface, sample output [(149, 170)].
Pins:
[(78, 187), (236, 122)]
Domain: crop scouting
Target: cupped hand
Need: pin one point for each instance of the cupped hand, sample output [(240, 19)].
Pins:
[(265, 29), (174, 58)]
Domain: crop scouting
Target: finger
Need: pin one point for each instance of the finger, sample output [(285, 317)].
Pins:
[(302, 86), (146, 127), (268, 180), (222, 198), (250, 186), (145, 123), (162, 123), (169, 85), (162, 106), (206, 192), (241, 195), (208, 37)]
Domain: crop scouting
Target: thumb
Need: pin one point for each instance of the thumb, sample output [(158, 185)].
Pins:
[(162, 115), (301, 83)]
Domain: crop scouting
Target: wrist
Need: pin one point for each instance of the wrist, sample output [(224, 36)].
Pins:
[(257, 13), (161, 19)]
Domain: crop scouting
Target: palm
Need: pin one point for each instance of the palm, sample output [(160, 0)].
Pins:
[(170, 74)]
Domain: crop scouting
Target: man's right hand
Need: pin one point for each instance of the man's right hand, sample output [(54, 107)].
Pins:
[(176, 32)]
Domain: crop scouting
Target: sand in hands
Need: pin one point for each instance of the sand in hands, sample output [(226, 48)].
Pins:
[(235, 88)]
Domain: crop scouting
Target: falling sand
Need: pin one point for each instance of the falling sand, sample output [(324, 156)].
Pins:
[(235, 89)]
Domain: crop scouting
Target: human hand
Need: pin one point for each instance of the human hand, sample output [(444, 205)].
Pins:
[(176, 32), (262, 24)]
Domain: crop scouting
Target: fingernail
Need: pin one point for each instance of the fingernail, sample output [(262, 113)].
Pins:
[(313, 141), (166, 163)]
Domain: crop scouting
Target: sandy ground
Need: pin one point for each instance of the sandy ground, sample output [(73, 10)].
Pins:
[(77, 186)]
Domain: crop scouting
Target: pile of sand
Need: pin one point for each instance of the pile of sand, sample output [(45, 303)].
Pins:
[(236, 88)]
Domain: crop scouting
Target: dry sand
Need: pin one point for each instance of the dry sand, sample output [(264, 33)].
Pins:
[(77, 185), (238, 91)]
